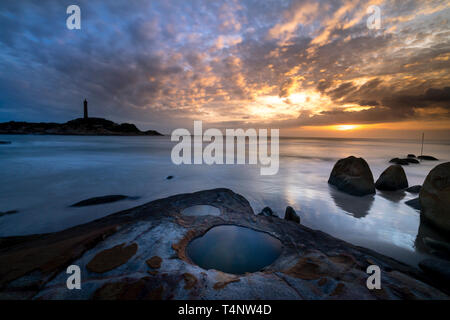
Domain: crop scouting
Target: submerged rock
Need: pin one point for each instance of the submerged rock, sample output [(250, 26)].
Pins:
[(352, 175), (414, 189), (430, 158), (101, 200), (393, 178), (399, 161), (169, 177), (291, 215), (8, 212), (414, 203), (435, 197), (266, 211), (5, 142)]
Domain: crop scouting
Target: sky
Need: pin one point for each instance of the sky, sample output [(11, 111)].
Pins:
[(309, 68)]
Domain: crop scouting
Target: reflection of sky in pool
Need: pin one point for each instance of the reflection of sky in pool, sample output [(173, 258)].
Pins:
[(234, 249)]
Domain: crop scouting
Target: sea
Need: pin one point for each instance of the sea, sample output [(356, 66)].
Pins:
[(42, 175)]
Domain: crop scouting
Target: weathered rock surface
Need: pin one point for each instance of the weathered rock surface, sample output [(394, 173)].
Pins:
[(80, 126), (414, 203), (438, 269), (414, 189), (352, 175), (435, 197), (429, 158), (101, 200), (291, 215), (393, 178), (312, 264)]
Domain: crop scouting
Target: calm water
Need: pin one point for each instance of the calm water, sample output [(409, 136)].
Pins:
[(42, 175), (234, 249)]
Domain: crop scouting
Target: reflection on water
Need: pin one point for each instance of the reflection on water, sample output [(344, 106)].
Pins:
[(358, 207), (395, 196), (42, 175), (234, 249)]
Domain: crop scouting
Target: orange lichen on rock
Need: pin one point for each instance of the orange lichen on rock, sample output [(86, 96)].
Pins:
[(154, 262), (190, 280)]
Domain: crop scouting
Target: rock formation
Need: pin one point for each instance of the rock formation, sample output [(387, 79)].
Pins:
[(393, 178), (352, 175)]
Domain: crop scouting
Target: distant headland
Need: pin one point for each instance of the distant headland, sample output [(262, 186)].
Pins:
[(81, 126)]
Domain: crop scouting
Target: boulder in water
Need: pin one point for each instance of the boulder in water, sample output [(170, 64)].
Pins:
[(291, 215), (399, 161), (410, 155), (393, 178), (414, 189), (352, 175), (430, 158), (414, 203), (267, 212), (101, 200), (435, 197)]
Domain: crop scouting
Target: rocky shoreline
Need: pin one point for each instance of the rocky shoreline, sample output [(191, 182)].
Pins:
[(80, 126), (140, 253)]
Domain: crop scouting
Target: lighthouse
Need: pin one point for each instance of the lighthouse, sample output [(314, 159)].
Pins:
[(85, 109)]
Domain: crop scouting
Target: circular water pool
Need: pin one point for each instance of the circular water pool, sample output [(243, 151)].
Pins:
[(234, 249)]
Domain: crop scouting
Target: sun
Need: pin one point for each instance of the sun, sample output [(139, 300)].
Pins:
[(345, 127)]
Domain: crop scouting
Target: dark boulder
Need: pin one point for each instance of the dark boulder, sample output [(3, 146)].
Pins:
[(291, 215), (352, 175), (411, 160), (414, 203), (393, 178), (267, 212), (169, 177), (414, 189), (435, 197), (430, 158), (101, 200), (410, 155), (399, 161)]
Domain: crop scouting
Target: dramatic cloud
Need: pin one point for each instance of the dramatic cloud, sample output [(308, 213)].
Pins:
[(291, 64)]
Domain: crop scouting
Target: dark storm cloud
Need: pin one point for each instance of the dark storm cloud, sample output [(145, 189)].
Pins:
[(158, 63)]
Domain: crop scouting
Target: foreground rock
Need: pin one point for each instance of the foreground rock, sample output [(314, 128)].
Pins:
[(429, 158), (392, 179), (102, 200), (435, 197), (414, 189), (140, 253), (352, 175), (90, 126), (291, 215)]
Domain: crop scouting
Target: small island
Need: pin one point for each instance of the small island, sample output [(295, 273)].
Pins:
[(81, 126)]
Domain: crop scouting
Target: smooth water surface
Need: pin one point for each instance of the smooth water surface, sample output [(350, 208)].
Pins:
[(234, 249), (41, 176)]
